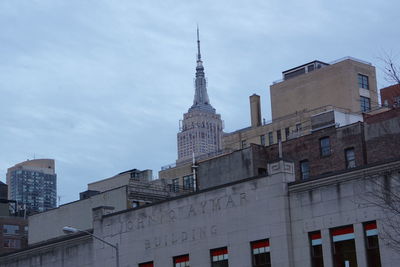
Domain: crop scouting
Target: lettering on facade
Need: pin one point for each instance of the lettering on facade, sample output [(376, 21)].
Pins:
[(174, 238), (161, 215)]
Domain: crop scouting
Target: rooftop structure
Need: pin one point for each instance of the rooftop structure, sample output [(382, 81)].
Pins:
[(346, 87)]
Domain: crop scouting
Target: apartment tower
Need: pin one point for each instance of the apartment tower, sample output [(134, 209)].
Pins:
[(33, 183)]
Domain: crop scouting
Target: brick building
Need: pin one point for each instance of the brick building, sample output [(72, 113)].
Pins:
[(333, 149), (390, 96), (13, 227)]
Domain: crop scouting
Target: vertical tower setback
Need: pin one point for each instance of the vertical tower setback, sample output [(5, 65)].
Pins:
[(201, 127)]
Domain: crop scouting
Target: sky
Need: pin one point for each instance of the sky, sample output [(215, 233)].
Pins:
[(100, 86)]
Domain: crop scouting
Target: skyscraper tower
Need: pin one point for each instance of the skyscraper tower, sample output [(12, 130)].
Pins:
[(201, 127), (34, 184)]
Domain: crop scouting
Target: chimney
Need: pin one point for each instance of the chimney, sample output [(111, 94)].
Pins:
[(255, 110)]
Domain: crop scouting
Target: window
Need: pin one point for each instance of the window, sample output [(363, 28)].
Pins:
[(317, 259), (298, 127), (135, 175), (372, 244), (188, 182), (10, 229), (260, 253), (270, 138), (325, 146), (262, 140), (146, 264), (350, 158), (243, 144), (279, 135), (12, 243), (363, 81), (365, 104), (396, 101), (287, 132), (219, 257), (181, 261), (344, 247), (262, 171), (304, 169), (175, 185)]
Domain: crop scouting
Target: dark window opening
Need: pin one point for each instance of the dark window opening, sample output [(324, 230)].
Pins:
[(262, 171), (372, 244), (262, 140), (146, 264), (344, 247), (270, 138), (287, 132), (260, 253), (219, 257), (317, 259), (181, 261), (279, 135)]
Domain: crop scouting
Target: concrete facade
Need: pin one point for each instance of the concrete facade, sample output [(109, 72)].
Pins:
[(335, 84), (47, 225), (272, 207)]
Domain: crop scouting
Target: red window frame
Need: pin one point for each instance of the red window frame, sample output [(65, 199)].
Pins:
[(220, 253), (181, 261), (146, 264)]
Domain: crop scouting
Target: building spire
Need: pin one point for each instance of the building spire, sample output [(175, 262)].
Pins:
[(200, 100), (198, 44)]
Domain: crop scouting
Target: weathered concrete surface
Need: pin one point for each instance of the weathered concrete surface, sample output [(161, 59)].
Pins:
[(78, 214)]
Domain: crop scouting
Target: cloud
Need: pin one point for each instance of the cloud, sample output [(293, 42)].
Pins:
[(101, 85)]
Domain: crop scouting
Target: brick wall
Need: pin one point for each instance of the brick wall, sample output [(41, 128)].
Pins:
[(308, 148)]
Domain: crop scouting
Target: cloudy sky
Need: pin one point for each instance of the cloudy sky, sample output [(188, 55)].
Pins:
[(100, 86)]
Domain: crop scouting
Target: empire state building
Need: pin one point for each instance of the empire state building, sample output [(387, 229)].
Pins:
[(201, 127)]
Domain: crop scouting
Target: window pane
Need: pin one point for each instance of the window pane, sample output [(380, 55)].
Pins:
[(363, 81), (188, 182), (365, 103), (350, 158), (10, 229), (270, 138), (304, 169), (262, 140), (325, 146)]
